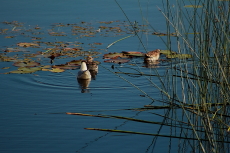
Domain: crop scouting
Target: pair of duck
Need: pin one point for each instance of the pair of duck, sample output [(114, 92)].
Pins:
[(86, 67), (89, 65)]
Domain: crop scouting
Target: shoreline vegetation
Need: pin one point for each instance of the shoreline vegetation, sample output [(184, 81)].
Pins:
[(200, 88)]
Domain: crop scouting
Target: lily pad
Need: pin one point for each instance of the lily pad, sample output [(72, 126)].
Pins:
[(75, 62), (181, 56), (16, 71), (28, 44), (115, 55), (57, 70), (133, 53), (9, 36), (13, 50), (72, 49), (193, 6), (26, 64), (118, 61), (45, 69), (31, 69), (65, 66), (8, 59), (98, 43), (24, 70), (5, 68), (45, 66), (167, 52), (57, 33)]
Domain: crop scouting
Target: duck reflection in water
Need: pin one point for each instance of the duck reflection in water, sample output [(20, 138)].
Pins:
[(151, 58), (84, 84), (84, 77)]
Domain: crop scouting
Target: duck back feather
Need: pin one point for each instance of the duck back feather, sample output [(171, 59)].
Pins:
[(84, 72)]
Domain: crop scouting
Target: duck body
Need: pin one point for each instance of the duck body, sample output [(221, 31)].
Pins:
[(84, 73), (153, 55), (92, 66)]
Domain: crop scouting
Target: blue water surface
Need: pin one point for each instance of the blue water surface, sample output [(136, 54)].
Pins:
[(33, 106)]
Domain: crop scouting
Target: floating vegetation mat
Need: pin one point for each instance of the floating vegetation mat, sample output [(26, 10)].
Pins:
[(70, 42)]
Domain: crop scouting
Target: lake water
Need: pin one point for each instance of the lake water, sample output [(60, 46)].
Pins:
[(33, 106)]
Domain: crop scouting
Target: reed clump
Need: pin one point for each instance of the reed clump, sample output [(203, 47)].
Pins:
[(203, 31), (195, 93), (199, 87)]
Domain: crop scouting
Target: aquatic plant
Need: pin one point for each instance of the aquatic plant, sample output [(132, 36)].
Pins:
[(195, 93), (194, 96)]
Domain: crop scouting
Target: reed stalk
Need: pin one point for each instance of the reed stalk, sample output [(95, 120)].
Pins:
[(202, 30), (209, 45), (195, 94)]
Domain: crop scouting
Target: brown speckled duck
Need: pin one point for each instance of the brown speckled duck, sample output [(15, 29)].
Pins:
[(153, 55), (92, 66), (151, 58)]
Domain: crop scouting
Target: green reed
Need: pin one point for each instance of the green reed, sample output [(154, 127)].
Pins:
[(200, 87), (202, 30), (195, 92)]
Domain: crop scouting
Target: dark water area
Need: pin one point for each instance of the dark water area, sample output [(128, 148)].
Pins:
[(33, 106)]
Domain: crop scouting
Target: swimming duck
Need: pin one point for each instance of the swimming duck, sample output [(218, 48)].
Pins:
[(151, 58), (153, 55), (89, 59), (84, 72), (92, 66)]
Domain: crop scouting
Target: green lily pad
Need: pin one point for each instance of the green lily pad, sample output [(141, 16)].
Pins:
[(193, 6), (46, 66), (24, 70), (75, 62), (181, 56), (29, 69), (167, 52), (57, 70), (26, 64), (16, 71)]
